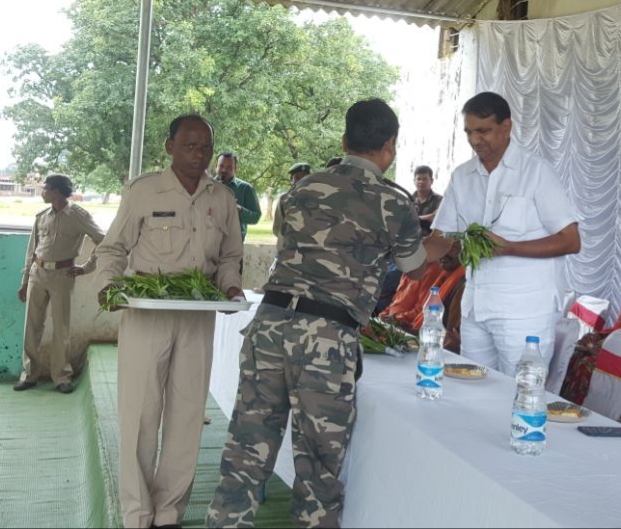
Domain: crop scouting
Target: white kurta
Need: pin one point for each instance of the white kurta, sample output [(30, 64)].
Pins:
[(522, 199)]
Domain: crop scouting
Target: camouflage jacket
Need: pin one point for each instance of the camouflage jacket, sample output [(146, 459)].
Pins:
[(335, 231)]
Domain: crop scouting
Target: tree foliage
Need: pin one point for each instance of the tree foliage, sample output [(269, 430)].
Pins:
[(275, 90)]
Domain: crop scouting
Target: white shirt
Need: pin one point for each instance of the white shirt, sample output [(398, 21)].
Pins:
[(521, 200)]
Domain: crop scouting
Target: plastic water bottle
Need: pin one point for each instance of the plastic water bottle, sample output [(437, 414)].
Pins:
[(433, 299), (430, 366), (530, 414)]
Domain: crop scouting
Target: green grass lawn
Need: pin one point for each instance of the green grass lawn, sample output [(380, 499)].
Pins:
[(261, 233)]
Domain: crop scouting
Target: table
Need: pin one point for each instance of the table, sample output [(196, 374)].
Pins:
[(448, 463), (225, 374)]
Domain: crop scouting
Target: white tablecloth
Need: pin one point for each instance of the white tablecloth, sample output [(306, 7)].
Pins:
[(225, 374), (448, 463)]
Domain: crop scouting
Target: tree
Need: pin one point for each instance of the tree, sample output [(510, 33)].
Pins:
[(275, 91)]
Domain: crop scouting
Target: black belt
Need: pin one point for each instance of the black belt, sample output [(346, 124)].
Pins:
[(311, 307)]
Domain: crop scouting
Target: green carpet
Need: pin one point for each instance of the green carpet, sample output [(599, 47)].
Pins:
[(59, 456), (49, 459)]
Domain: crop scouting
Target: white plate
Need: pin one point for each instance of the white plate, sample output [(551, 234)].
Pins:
[(578, 416), (465, 371), (182, 304)]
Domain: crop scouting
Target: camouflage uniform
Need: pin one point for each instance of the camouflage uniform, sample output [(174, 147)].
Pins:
[(334, 231)]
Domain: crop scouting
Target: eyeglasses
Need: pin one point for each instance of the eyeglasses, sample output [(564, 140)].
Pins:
[(195, 147)]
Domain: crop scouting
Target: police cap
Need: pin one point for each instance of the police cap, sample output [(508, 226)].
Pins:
[(297, 167)]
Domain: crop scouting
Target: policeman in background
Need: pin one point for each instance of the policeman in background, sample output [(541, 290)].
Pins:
[(169, 221), (49, 277), (298, 171), (301, 351)]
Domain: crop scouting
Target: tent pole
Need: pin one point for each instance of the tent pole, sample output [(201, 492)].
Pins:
[(140, 96)]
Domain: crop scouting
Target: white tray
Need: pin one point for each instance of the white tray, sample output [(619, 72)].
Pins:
[(182, 304)]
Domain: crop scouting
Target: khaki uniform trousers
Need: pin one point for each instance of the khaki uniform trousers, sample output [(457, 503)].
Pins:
[(54, 288), (163, 378), (289, 361)]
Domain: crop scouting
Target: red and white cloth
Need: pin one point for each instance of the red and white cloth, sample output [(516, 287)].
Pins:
[(590, 312)]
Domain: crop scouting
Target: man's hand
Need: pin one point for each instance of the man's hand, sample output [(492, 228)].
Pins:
[(21, 293), (76, 271), (437, 246), (503, 244), (102, 298), (235, 292)]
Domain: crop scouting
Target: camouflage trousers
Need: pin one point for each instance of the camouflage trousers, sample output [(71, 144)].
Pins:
[(289, 361)]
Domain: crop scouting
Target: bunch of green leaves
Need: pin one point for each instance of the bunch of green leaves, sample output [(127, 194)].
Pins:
[(380, 334), (187, 285), (476, 244)]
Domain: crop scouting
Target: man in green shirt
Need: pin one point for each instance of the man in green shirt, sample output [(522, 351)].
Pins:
[(247, 201)]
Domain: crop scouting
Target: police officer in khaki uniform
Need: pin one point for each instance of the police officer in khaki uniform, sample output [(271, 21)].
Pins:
[(335, 229), (49, 277), (170, 221)]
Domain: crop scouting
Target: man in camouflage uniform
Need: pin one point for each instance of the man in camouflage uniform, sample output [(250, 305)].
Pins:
[(335, 229), (49, 278)]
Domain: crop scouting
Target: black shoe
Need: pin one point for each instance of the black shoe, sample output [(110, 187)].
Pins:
[(65, 388), (24, 385)]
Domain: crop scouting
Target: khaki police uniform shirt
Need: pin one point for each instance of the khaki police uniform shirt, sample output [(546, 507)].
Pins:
[(58, 236), (335, 231), (161, 227)]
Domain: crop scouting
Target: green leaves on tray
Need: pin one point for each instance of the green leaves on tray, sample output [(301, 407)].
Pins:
[(187, 285), (382, 335)]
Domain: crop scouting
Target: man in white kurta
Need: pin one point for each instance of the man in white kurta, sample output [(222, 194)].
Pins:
[(519, 196)]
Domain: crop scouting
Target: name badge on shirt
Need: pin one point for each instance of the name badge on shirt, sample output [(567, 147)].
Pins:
[(164, 213)]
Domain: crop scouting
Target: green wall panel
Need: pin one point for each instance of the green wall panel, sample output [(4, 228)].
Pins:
[(12, 250)]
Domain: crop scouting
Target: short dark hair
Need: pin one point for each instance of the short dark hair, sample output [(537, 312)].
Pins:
[(369, 124), (173, 128), (228, 155), (424, 169), (488, 104), (62, 183)]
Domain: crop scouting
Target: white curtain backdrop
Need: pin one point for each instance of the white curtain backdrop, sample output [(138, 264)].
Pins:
[(562, 79)]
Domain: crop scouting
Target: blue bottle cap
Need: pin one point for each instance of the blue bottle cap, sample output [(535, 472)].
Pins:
[(532, 339), (435, 290), (437, 307)]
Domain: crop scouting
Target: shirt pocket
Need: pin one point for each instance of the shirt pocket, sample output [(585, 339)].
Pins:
[(162, 230), (214, 233), (513, 217)]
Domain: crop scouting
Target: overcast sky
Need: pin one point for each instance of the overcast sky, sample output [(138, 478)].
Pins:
[(43, 22)]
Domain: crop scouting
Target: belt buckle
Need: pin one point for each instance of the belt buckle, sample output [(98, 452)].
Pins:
[(49, 265)]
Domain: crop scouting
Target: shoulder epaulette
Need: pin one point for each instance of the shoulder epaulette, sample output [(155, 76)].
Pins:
[(140, 177), (39, 213), (80, 210), (224, 186)]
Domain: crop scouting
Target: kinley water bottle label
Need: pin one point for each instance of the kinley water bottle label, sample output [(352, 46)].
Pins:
[(429, 376), (529, 427)]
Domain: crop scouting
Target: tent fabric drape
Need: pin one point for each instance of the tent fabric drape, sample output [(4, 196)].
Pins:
[(562, 79)]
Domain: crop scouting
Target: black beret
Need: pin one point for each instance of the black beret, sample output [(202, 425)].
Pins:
[(296, 167)]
